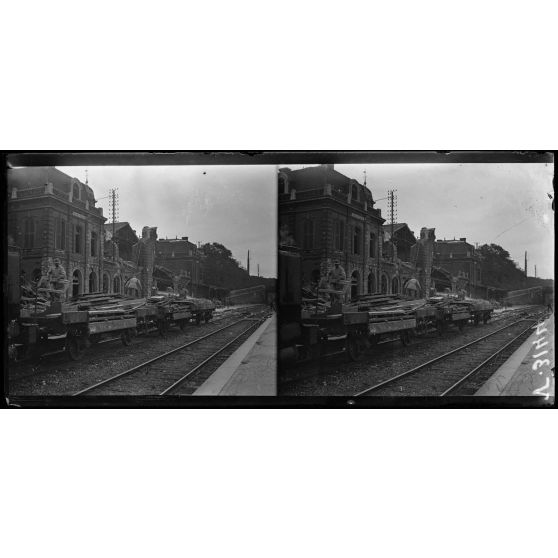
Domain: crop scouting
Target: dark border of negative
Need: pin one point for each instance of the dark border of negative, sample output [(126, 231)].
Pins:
[(256, 157)]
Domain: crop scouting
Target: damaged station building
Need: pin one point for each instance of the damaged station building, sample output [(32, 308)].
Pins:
[(330, 217), (52, 215)]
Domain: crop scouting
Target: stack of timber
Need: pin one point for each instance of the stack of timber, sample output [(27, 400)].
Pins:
[(385, 307), (33, 305), (103, 306)]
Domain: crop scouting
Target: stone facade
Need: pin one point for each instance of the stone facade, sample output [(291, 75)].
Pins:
[(52, 215), (332, 217)]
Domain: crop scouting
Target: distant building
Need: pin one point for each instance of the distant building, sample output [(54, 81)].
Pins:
[(52, 215), (181, 257), (461, 260)]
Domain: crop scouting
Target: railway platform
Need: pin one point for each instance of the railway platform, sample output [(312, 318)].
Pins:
[(251, 369), (529, 370)]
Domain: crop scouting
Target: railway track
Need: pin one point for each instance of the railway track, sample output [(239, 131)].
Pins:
[(449, 373), (181, 370), (328, 366)]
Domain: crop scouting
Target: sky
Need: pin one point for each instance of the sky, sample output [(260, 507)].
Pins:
[(505, 204), (233, 205)]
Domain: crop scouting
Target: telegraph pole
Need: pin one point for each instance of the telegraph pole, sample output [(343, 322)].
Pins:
[(392, 199), (114, 216), (248, 263)]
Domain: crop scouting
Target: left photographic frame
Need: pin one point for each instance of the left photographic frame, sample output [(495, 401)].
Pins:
[(144, 281)]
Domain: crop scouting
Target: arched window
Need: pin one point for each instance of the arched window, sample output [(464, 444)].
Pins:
[(355, 284), (339, 240), (395, 285), (106, 282), (77, 283), (372, 246), (384, 284), (60, 234), (92, 282), (78, 239), (75, 191), (354, 192), (116, 284), (357, 240), (94, 243), (371, 283)]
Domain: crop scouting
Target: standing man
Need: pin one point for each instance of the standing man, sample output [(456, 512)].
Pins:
[(133, 287), (57, 277), (337, 277), (413, 288)]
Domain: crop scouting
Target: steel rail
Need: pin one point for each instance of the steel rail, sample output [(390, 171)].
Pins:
[(155, 359), (477, 368), (209, 358), (434, 360)]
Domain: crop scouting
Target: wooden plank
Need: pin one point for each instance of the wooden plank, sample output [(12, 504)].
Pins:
[(75, 317), (391, 327), (112, 325)]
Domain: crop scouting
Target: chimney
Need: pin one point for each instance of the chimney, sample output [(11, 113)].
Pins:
[(463, 239), (184, 238)]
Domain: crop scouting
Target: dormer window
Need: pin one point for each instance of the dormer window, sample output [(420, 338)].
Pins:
[(75, 192)]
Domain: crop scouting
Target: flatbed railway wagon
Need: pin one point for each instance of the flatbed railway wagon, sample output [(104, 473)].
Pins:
[(164, 313), (73, 331)]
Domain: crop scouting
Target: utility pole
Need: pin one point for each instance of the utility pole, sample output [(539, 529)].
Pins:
[(392, 199), (248, 263), (114, 216), (525, 263), (258, 270), (535, 271)]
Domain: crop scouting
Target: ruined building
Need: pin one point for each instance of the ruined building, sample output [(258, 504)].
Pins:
[(52, 215), (332, 217)]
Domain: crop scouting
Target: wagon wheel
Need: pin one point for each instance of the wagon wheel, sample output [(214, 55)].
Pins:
[(477, 320), (126, 337), (198, 318), (207, 316), (74, 347), (356, 347), (485, 319)]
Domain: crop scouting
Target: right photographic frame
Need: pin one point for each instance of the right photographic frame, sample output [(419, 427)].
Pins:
[(417, 278)]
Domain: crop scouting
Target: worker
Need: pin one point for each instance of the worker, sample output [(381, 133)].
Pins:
[(133, 287), (57, 278), (337, 277), (412, 288)]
